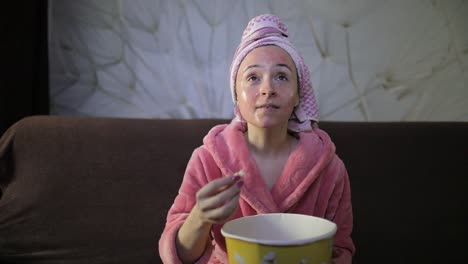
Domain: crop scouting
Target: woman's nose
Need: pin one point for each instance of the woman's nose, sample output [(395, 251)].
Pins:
[(267, 89)]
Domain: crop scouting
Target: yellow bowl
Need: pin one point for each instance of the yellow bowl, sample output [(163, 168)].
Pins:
[(279, 238)]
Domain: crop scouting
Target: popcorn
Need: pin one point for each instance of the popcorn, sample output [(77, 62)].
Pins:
[(240, 173)]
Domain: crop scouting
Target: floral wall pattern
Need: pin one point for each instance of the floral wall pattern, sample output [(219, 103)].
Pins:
[(369, 59)]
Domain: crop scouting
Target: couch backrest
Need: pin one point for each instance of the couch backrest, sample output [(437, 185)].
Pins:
[(82, 189), (409, 189)]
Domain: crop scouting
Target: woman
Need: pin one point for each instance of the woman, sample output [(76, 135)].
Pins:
[(271, 158)]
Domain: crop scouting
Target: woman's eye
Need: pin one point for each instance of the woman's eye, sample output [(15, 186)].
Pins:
[(282, 77), (252, 78)]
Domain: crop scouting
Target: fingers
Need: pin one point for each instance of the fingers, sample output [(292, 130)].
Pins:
[(222, 213), (220, 198), (217, 186)]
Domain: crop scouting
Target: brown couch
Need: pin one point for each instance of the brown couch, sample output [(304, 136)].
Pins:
[(97, 190)]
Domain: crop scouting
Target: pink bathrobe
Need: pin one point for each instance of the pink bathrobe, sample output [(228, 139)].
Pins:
[(313, 182)]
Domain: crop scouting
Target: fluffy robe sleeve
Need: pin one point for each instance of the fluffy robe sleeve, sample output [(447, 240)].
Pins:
[(195, 177), (340, 212)]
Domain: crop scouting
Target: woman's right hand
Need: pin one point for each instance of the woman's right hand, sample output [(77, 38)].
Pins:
[(218, 200)]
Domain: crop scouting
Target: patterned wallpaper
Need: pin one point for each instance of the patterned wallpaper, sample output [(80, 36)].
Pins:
[(369, 59)]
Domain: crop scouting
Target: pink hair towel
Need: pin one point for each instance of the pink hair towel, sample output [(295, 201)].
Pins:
[(265, 30)]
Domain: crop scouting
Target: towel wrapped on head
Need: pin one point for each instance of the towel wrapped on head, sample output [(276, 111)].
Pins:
[(265, 30)]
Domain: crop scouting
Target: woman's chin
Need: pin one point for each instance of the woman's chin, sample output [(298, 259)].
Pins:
[(269, 124)]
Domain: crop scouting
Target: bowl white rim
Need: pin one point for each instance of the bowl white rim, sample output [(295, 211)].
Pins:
[(294, 242)]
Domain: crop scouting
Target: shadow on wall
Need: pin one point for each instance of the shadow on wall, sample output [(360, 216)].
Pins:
[(24, 62)]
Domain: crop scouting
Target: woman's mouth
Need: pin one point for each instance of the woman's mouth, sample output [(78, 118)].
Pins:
[(268, 106)]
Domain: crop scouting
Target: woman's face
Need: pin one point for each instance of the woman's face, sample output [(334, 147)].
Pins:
[(266, 87)]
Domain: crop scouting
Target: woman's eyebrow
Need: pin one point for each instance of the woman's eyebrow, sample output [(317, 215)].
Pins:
[(284, 65), (259, 66), (252, 66)]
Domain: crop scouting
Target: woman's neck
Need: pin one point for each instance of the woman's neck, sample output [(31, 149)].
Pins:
[(268, 141)]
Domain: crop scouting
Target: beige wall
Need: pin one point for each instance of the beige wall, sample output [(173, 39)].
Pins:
[(369, 59)]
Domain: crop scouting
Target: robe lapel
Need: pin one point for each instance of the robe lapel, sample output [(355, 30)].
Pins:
[(255, 191), (301, 170)]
